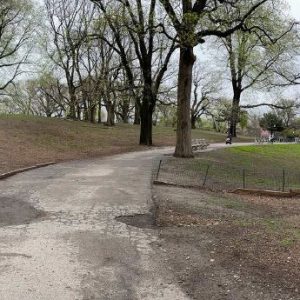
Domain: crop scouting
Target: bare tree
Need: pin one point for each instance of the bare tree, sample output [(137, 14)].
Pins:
[(204, 88), (16, 99), (289, 113), (43, 96), (49, 97), (253, 54), (126, 103), (193, 21), (138, 20), (220, 113), (16, 29), (69, 21)]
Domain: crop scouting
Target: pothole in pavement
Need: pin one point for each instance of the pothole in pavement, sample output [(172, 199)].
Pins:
[(138, 220), (17, 212)]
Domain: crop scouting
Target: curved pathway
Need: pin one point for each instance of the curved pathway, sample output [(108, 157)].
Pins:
[(59, 238)]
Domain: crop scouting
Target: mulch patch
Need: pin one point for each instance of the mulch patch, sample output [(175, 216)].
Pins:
[(266, 246)]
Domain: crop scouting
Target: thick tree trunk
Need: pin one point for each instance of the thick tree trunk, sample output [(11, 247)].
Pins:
[(72, 97), (146, 126), (125, 112), (92, 112), (72, 112), (137, 114), (185, 77), (234, 118), (146, 112), (110, 114)]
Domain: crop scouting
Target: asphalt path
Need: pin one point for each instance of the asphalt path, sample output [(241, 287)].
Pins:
[(60, 239)]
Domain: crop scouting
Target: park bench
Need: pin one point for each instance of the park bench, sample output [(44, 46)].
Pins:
[(199, 144)]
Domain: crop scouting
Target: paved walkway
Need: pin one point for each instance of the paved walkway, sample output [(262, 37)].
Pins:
[(59, 238)]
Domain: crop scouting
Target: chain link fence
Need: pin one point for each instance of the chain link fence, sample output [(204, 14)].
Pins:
[(219, 176)]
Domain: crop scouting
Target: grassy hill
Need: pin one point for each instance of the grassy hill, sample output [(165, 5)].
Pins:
[(25, 141)]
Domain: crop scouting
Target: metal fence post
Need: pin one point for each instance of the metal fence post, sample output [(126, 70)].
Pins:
[(283, 180), (206, 174), (158, 169), (244, 178)]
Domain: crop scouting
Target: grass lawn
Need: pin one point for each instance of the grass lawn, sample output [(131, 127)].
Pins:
[(276, 156), (25, 140), (274, 167)]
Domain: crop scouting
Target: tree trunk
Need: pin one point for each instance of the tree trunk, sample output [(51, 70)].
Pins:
[(78, 113), (92, 111), (234, 118), (146, 126), (110, 107), (125, 111), (99, 112), (214, 124), (85, 108), (193, 122), (72, 112), (185, 77), (137, 114), (73, 102), (146, 112)]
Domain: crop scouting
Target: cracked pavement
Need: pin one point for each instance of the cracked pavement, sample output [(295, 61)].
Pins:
[(59, 238)]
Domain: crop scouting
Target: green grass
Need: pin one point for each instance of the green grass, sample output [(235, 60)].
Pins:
[(287, 242), (266, 157), (274, 167), (284, 155)]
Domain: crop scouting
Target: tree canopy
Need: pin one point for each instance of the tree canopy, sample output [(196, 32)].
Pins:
[(132, 61)]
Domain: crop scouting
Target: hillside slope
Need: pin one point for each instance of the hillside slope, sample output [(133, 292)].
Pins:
[(25, 141)]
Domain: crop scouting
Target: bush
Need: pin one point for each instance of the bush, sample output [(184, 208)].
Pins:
[(291, 133)]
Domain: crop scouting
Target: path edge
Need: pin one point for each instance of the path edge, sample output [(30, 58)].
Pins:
[(22, 170)]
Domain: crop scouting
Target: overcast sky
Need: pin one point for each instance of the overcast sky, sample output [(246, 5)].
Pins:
[(294, 11), (295, 8)]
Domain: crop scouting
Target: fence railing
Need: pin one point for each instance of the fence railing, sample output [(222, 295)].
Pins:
[(219, 176), (262, 140)]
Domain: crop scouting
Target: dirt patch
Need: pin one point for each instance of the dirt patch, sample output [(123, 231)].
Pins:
[(138, 220), (266, 193), (16, 212), (223, 246)]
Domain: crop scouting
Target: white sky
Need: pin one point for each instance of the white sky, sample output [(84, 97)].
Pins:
[(294, 91), (295, 8)]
